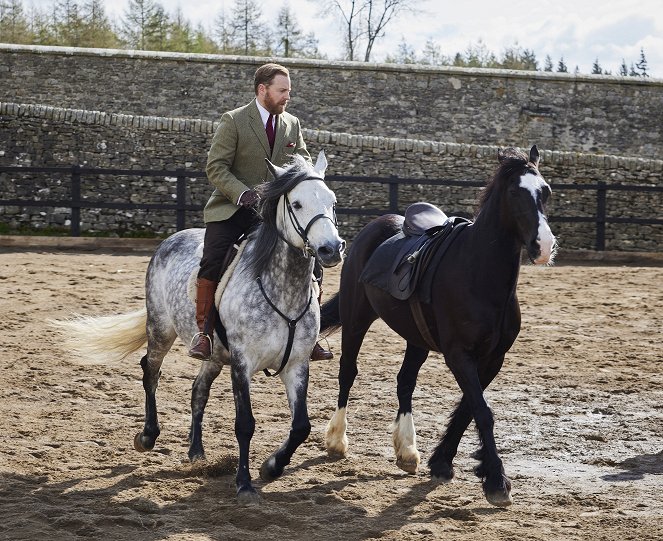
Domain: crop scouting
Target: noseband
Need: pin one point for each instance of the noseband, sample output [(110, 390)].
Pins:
[(304, 231)]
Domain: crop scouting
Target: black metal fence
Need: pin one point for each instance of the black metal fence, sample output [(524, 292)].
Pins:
[(180, 206)]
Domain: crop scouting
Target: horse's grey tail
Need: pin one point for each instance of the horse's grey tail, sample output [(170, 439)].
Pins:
[(105, 338), (330, 316)]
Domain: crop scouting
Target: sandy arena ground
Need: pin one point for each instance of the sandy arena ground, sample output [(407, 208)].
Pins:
[(578, 408)]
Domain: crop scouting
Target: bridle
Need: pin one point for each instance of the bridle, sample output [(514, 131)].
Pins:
[(307, 252), (304, 231)]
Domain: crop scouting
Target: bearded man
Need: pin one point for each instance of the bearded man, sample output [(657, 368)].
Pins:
[(235, 166)]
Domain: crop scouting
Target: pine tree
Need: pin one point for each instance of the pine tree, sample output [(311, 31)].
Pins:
[(290, 40), (642, 64), (548, 65), (478, 56), (68, 23), (97, 29), (517, 58), (14, 25), (141, 19), (157, 30), (511, 58), (222, 33), (433, 56), (405, 55), (180, 34), (596, 68), (202, 42), (42, 27), (251, 36), (623, 69), (529, 60), (561, 66)]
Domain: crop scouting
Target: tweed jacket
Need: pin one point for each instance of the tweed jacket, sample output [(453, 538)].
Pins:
[(236, 160)]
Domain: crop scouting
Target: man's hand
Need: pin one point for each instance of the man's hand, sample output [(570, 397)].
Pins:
[(249, 198)]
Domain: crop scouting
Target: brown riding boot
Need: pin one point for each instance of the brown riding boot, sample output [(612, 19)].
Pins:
[(201, 344), (319, 353)]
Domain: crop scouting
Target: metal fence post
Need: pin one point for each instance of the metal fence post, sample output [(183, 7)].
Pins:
[(181, 200), (393, 195), (76, 201), (600, 215)]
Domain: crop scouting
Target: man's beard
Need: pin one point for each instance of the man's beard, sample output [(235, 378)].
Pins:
[(274, 107)]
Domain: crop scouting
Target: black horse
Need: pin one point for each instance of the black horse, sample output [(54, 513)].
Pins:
[(469, 313)]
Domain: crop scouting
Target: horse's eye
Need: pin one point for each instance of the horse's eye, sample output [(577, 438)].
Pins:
[(297, 205)]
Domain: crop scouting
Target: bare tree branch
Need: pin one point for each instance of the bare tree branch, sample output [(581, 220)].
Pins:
[(364, 20)]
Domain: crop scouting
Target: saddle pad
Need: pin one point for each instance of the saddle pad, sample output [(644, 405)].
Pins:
[(223, 282), (386, 270), (376, 271)]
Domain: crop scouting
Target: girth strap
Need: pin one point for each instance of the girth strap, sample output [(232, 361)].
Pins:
[(422, 324), (292, 325)]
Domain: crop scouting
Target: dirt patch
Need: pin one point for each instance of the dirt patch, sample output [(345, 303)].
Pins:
[(578, 409)]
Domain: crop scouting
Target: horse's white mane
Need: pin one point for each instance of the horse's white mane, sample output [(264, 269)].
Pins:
[(300, 164)]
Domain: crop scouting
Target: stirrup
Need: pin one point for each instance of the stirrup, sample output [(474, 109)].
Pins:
[(209, 339), (200, 334)]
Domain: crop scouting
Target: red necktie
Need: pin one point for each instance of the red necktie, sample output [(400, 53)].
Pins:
[(269, 128)]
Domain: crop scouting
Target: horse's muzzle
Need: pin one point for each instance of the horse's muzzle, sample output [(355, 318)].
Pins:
[(541, 250), (331, 254)]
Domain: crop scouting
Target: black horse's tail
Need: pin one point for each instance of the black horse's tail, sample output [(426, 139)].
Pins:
[(330, 317)]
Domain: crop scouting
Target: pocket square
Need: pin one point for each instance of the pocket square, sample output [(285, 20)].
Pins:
[(290, 145)]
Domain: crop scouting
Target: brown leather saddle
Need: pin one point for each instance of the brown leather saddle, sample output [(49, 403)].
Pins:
[(426, 234)]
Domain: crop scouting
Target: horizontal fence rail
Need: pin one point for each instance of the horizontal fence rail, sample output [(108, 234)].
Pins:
[(180, 207)]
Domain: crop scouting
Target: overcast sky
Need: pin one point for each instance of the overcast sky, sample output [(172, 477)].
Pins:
[(579, 30)]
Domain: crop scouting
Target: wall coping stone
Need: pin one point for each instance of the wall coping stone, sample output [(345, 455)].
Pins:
[(330, 64), (369, 142)]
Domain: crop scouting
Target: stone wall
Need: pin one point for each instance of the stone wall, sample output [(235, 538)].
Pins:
[(39, 135), (562, 112)]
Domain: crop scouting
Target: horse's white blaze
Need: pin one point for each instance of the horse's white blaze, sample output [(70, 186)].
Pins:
[(546, 242), (405, 443), (534, 184), (335, 435)]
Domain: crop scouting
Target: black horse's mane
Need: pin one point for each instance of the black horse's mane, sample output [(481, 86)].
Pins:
[(512, 162), (266, 235)]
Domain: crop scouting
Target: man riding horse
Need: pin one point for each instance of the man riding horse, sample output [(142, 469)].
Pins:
[(235, 166)]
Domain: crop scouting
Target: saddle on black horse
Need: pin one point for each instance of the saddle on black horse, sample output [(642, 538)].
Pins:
[(399, 265)]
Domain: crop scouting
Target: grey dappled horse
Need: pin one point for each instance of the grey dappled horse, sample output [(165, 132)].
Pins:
[(268, 309)]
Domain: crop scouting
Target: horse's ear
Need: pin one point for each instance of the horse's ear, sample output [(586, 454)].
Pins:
[(321, 164), (275, 170), (534, 155), (501, 156)]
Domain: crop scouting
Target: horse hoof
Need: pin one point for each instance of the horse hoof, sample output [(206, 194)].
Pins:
[(197, 457), (500, 496), (248, 496), (268, 470), (500, 499), (336, 455), (443, 474), (409, 466), (142, 444)]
